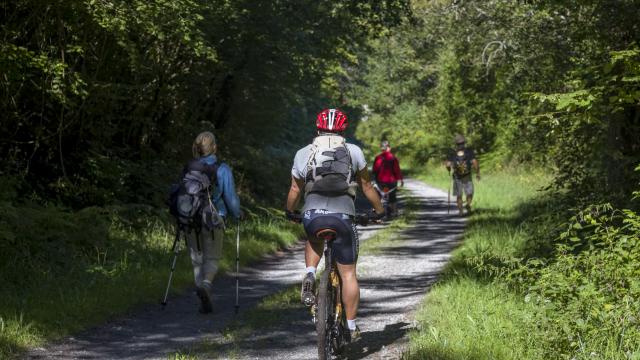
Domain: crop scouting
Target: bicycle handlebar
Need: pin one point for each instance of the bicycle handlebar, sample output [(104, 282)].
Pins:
[(381, 191)]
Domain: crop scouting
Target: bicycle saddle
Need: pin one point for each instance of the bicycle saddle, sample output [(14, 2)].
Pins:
[(326, 234)]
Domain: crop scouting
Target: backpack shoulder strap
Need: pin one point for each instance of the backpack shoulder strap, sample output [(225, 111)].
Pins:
[(310, 166), (352, 175)]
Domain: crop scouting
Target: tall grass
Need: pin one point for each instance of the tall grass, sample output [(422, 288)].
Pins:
[(468, 315), (63, 271)]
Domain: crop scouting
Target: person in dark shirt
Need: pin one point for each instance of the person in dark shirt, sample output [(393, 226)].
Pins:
[(462, 161)]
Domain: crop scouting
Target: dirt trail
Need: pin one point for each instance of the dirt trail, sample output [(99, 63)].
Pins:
[(393, 282), (151, 333)]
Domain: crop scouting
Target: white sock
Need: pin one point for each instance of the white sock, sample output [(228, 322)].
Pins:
[(311, 269), (351, 324)]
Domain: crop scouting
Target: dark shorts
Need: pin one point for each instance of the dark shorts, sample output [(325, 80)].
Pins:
[(345, 246), (462, 185), (392, 195)]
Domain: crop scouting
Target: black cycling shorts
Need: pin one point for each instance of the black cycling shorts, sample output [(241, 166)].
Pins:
[(345, 246), (392, 195)]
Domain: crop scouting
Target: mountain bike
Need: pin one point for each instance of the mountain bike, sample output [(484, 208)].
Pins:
[(384, 197), (328, 312)]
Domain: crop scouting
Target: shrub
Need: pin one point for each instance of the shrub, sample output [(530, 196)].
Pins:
[(589, 291)]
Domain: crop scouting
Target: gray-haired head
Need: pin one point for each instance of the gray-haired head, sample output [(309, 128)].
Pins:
[(204, 144), (459, 139)]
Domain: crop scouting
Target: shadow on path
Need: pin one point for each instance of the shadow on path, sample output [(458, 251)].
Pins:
[(393, 282), (148, 332)]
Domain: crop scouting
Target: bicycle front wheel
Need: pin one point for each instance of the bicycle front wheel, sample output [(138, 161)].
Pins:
[(325, 312)]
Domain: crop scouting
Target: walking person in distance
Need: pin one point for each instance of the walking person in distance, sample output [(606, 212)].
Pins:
[(462, 161), (386, 169)]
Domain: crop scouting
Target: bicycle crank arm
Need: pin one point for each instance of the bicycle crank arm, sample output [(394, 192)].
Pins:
[(314, 317)]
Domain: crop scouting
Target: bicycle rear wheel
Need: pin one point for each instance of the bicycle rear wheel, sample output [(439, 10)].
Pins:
[(325, 311)]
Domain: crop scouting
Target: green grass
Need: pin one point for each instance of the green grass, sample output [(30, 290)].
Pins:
[(469, 314), (465, 319), (62, 271)]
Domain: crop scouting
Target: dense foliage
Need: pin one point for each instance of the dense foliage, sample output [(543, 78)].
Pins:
[(554, 82), (588, 294), (100, 99)]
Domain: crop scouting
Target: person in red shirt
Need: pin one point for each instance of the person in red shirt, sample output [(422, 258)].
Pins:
[(386, 169)]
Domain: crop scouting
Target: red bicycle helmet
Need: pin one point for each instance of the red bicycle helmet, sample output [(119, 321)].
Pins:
[(331, 120)]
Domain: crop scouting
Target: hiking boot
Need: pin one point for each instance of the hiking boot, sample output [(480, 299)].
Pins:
[(204, 293), (468, 207), (353, 335), (307, 294)]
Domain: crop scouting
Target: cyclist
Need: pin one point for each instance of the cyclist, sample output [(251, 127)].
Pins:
[(327, 172), (462, 160), (205, 246), (386, 168)]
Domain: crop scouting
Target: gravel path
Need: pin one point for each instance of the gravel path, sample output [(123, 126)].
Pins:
[(393, 282), (151, 333)]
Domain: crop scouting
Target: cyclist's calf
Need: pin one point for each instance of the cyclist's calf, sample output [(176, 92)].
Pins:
[(350, 289)]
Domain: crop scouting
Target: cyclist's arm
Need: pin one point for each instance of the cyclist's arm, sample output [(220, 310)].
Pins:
[(364, 180), (295, 192)]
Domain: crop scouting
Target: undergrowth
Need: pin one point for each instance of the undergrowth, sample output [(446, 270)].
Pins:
[(539, 276), (64, 270)]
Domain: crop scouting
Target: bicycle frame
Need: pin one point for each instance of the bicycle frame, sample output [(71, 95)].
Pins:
[(328, 311), (384, 196)]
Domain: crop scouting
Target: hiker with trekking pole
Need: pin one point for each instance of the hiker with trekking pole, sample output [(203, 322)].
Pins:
[(462, 160), (201, 204)]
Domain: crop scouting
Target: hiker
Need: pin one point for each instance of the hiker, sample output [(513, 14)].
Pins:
[(462, 160), (205, 244), (327, 173), (386, 169)]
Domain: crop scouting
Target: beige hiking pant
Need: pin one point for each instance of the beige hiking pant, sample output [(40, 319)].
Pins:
[(205, 260)]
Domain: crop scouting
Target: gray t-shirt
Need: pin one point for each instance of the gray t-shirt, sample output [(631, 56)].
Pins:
[(339, 204)]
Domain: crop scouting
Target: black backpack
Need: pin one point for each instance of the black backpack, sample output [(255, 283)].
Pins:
[(190, 199), (461, 163), (328, 170)]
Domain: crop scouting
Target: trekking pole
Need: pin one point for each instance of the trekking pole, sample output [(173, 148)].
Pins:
[(449, 195), (175, 249), (237, 307)]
